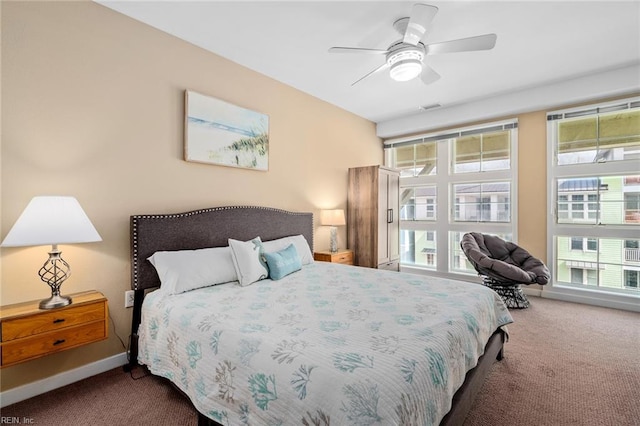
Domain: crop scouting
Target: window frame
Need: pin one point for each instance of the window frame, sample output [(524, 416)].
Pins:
[(444, 226), (587, 228)]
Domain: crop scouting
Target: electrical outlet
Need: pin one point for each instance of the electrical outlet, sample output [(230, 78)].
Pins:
[(128, 298)]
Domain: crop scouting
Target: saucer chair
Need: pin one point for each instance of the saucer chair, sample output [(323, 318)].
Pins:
[(503, 266)]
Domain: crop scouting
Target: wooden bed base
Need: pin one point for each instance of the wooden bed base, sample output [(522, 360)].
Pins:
[(193, 230)]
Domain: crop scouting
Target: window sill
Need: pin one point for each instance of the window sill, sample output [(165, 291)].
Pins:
[(589, 296)]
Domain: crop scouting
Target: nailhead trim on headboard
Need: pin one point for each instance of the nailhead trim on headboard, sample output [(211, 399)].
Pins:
[(135, 219)]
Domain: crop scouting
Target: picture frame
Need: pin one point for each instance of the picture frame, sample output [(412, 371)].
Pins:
[(224, 134)]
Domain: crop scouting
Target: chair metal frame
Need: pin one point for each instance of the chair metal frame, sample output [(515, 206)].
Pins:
[(512, 295)]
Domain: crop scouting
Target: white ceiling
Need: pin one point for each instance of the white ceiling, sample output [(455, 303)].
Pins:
[(539, 43)]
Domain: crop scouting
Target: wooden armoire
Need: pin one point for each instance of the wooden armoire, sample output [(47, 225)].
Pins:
[(373, 225)]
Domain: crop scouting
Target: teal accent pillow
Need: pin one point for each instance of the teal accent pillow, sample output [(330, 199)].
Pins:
[(283, 262)]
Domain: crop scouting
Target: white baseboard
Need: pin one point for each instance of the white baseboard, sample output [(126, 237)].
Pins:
[(20, 393), (531, 291), (587, 297)]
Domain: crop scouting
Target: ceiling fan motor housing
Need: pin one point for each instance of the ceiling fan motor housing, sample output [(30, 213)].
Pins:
[(405, 61)]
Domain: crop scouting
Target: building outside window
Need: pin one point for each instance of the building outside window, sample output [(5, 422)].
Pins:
[(632, 279), (584, 276), (584, 244), (632, 260), (460, 181), (594, 191)]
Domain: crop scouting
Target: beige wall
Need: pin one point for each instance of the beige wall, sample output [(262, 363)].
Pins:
[(532, 183), (92, 106)]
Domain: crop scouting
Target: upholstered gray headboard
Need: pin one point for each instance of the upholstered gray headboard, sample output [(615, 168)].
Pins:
[(207, 228)]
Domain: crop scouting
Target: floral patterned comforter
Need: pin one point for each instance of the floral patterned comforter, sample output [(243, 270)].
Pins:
[(328, 345)]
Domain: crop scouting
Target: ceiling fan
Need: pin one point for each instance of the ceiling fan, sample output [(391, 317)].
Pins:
[(405, 57)]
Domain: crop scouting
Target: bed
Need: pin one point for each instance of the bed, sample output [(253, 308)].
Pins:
[(324, 344)]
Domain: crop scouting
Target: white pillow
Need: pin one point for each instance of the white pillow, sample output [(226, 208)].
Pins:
[(185, 270), (298, 241), (247, 260)]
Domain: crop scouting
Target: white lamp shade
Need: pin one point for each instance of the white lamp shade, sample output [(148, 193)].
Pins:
[(51, 220), (332, 217)]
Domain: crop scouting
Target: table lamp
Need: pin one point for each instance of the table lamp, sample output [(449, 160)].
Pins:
[(52, 220), (333, 218)]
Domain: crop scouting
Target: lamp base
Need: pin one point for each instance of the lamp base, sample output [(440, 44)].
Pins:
[(333, 242), (54, 271), (55, 301)]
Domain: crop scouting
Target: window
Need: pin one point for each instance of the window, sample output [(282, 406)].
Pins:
[(576, 243), (632, 280), (418, 203), (584, 244), (583, 276), (416, 159), (594, 186), (450, 184), (598, 134), (631, 203), (578, 199), (482, 202), (576, 207), (577, 275), (418, 248), (482, 152)]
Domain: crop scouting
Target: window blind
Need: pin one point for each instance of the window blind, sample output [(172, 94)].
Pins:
[(395, 143)]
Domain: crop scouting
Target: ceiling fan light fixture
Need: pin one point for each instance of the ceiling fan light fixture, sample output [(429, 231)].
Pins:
[(405, 63), (405, 70)]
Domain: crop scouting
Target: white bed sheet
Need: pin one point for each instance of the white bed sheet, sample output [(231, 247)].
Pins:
[(330, 344)]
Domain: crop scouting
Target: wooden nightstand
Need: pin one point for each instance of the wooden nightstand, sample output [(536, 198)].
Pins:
[(344, 256), (27, 332)]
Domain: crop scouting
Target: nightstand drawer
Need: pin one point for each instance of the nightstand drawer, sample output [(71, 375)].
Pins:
[(345, 257), (28, 332), (54, 320), (48, 343)]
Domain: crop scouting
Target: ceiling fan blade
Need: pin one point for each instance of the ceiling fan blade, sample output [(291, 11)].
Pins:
[(356, 50), (482, 42), (421, 17), (380, 68), (428, 75)]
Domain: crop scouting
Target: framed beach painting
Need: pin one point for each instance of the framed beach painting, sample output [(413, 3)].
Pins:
[(217, 132)]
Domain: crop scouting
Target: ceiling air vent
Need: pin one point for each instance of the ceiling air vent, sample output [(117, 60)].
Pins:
[(428, 107)]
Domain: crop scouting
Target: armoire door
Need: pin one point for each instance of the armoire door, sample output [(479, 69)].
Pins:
[(393, 225), (384, 216)]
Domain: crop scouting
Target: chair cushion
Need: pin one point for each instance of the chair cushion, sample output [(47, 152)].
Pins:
[(503, 260)]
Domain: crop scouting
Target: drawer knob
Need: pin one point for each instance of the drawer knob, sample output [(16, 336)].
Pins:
[(59, 320), (59, 341)]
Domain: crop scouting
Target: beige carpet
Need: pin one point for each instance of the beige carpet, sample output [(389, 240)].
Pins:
[(565, 364)]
